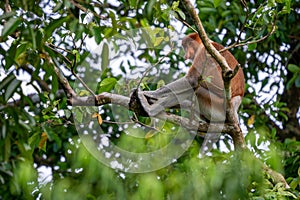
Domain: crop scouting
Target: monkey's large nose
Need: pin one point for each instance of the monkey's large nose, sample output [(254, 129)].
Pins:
[(186, 56)]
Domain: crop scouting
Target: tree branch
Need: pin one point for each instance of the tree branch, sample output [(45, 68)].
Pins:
[(107, 98), (61, 78), (83, 9)]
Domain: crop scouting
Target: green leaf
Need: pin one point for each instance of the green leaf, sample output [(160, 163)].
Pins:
[(271, 3), (104, 56), (217, 3), (251, 138), (21, 49), (246, 101), (7, 148), (67, 113), (207, 11), (273, 133), (107, 85), (53, 25), (252, 46), (147, 38), (158, 41), (10, 26), (265, 82), (108, 32), (295, 182), (33, 141), (175, 5), (149, 8), (97, 34), (77, 55), (160, 83), (293, 68), (11, 88), (291, 81), (133, 3), (33, 34), (54, 84), (58, 6), (181, 14), (6, 81), (30, 118), (83, 93), (46, 110), (284, 116), (78, 115)]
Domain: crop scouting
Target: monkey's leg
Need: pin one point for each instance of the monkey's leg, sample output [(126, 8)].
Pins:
[(172, 94), (209, 140)]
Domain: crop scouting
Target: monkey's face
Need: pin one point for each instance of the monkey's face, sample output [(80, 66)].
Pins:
[(190, 50), (189, 54)]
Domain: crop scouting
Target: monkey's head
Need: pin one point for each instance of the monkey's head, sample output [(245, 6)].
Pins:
[(191, 44)]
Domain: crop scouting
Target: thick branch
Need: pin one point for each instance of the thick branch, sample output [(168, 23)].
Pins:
[(61, 79), (107, 98)]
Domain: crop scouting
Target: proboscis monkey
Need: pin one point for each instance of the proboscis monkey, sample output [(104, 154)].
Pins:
[(205, 79)]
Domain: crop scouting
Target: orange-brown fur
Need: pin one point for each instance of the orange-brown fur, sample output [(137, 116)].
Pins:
[(210, 90)]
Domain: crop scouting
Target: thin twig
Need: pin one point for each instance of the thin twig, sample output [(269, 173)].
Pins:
[(80, 80), (72, 65), (62, 79), (251, 42), (246, 19), (185, 23), (243, 43), (135, 119), (53, 48), (80, 7)]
